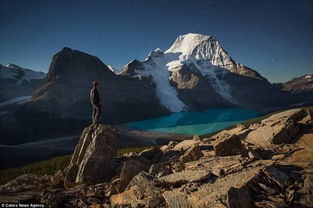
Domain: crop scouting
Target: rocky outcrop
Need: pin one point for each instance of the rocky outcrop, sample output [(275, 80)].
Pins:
[(278, 128), (268, 175), (93, 159)]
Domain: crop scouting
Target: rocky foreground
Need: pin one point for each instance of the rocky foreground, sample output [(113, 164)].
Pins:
[(267, 164)]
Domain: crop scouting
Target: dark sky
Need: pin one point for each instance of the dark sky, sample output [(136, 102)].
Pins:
[(273, 37)]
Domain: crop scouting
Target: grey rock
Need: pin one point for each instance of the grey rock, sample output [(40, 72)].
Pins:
[(276, 176), (192, 154), (130, 169), (141, 179), (226, 191), (160, 169), (94, 156), (186, 144), (229, 145), (151, 153), (278, 128)]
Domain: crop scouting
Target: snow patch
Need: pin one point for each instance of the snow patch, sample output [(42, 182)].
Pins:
[(111, 68)]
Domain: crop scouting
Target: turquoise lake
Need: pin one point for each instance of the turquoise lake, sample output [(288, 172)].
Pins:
[(192, 123)]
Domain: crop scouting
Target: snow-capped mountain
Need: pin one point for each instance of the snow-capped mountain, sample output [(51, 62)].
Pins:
[(205, 49), (19, 74), (17, 81), (196, 73)]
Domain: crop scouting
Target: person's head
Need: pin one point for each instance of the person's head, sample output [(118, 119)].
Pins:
[(95, 84)]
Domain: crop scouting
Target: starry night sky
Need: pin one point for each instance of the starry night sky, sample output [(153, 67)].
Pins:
[(273, 37)]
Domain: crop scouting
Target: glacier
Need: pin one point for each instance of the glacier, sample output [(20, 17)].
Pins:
[(202, 51)]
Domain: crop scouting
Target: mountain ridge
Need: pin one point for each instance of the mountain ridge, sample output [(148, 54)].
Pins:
[(17, 81), (165, 82)]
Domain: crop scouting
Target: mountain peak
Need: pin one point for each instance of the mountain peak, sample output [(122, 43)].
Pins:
[(14, 66), (200, 47)]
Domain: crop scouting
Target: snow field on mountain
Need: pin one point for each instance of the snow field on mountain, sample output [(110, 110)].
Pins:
[(160, 76)]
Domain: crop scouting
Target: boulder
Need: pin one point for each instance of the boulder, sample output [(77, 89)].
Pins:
[(308, 118), (192, 154), (151, 153), (93, 160), (186, 144), (276, 176), (141, 179), (293, 114), (124, 198), (226, 191), (130, 169), (160, 169), (140, 192), (278, 128), (229, 145)]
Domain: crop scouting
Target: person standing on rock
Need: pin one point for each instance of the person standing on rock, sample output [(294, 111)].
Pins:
[(95, 101)]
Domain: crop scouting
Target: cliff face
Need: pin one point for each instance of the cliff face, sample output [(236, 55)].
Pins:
[(264, 164)]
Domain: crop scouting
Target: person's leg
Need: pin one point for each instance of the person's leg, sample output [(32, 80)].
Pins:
[(94, 110), (98, 109)]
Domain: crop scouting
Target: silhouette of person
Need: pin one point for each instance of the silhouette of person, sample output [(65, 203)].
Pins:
[(95, 101)]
